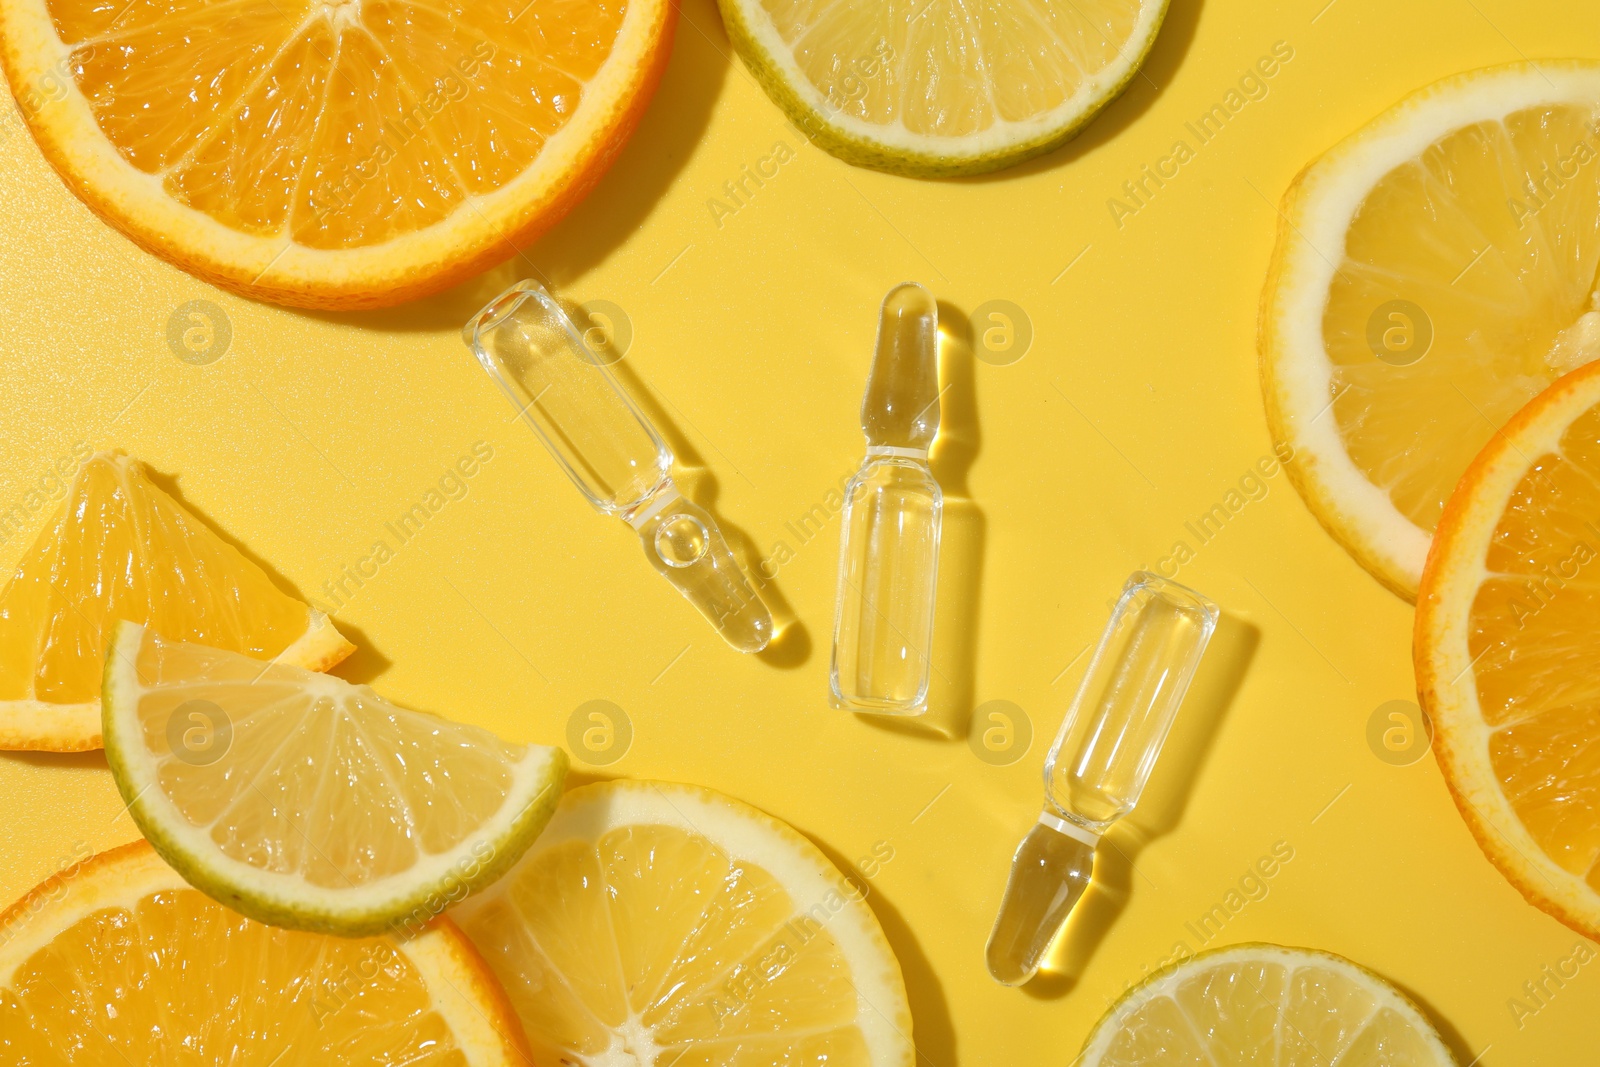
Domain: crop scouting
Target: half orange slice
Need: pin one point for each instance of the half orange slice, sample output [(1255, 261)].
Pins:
[(117, 961), (1507, 650), (333, 153)]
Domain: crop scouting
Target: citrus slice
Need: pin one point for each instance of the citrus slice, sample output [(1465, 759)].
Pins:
[(121, 548), (1506, 648), (942, 89), (333, 153), (657, 924), (1433, 273), (305, 801), (117, 961), (1262, 1004)]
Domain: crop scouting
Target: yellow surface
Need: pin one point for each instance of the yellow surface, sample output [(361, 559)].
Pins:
[(1135, 411)]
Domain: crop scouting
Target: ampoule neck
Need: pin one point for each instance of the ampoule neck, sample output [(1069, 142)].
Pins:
[(901, 407)]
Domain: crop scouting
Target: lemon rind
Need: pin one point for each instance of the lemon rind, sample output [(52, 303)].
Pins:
[(1296, 374), (745, 832)]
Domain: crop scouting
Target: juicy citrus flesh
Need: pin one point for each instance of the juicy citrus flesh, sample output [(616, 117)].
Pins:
[(119, 961), (1499, 288), (641, 936), (334, 125), (942, 88), (333, 153), (1507, 651), (301, 799), (1264, 1006), (122, 548), (1458, 240)]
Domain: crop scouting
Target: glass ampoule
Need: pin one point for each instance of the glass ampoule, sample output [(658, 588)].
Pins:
[(566, 394), (889, 530), (1100, 761)]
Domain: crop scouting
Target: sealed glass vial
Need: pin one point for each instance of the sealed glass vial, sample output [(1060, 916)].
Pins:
[(569, 398), (1101, 759), (889, 529)]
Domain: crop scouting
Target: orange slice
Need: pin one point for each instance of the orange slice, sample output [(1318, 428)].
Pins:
[(1506, 649), (117, 961), (121, 548), (333, 153)]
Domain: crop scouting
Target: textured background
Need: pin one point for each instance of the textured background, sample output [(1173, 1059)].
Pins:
[(1134, 410)]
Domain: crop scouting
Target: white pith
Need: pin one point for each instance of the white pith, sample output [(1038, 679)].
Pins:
[(34, 51), (1317, 218), (1461, 735), (533, 779), (120, 878), (1001, 135), (1166, 984), (747, 835)]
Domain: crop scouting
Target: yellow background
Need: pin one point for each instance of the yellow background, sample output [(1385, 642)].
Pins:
[(1135, 410)]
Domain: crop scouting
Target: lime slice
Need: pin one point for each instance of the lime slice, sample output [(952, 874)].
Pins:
[(934, 90), (1262, 1004), (301, 800)]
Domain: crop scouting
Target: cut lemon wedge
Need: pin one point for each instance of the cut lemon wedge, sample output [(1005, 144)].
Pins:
[(121, 548), (333, 153), (941, 89), (117, 961), (305, 801), (1262, 1004), (1433, 273), (656, 924), (1506, 648)]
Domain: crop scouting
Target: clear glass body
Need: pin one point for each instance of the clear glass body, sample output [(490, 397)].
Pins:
[(568, 397), (1108, 743), (571, 401), (889, 531), (883, 621), (1100, 762)]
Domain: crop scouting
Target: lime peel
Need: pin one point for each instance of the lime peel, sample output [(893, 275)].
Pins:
[(403, 900)]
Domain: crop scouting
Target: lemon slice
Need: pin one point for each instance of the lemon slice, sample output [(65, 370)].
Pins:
[(1262, 1004), (333, 153), (117, 961), (941, 89), (658, 924), (121, 548), (1433, 273), (1506, 647), (304, 801)]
